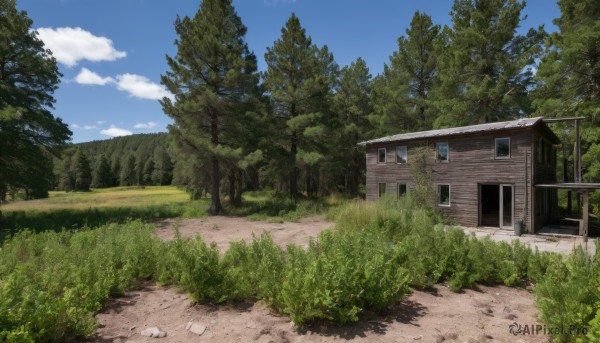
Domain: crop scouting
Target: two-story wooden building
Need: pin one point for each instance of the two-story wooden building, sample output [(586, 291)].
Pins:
[(485, 175)]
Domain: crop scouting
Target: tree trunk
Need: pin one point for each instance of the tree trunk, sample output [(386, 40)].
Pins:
[(239, 188), (294, 172), (215, 199), (231, 182)]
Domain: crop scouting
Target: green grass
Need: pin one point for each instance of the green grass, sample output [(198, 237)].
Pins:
[(101, 206), (99, 198)]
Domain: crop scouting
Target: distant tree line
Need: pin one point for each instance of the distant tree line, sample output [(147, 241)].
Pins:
[(294, 127), (137, 160)]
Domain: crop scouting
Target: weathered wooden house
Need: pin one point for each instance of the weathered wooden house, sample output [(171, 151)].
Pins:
[(485, 175)]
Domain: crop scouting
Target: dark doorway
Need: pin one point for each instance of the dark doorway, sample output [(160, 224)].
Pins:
[(490, 205)]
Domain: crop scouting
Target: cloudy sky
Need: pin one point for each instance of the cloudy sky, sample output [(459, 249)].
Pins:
[(112, 52)]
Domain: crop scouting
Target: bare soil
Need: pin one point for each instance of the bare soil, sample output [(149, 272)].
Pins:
[(439, 315)]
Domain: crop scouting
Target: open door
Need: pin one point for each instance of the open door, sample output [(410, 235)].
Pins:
[(506, 206), (496, 207)]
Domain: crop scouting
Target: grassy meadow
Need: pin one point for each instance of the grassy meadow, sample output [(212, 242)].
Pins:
[(74, 210)]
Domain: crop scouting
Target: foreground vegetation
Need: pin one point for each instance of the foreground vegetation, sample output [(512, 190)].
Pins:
[(52, 283)]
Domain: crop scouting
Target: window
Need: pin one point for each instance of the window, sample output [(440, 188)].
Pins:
[(382, 187), (502, 148), (401, 189), (401, 154), (441, 152), (444, 195), (381, 155)]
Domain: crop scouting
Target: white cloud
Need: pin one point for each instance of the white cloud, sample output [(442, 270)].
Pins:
[(88, 77), (116, 132), (141, 87), (147, 125), (70, 45), (75, 126), (100, 122), (90, 127)]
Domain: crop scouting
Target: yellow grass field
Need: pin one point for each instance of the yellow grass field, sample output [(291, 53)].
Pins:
[(100, 198)]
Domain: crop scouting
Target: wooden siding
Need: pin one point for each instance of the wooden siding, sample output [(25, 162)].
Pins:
[(471, 162)]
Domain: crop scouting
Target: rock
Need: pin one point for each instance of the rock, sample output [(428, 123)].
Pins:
[(451, 336), (510, 316), (132, 328), (195, 328), (439, 338), (154, 332), (472, 340), (418, 338)]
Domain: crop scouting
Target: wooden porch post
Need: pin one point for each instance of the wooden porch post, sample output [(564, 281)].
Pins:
[(585, 195)]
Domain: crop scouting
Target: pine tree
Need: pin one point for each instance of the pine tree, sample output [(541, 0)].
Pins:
[(213, 76), (115, 170), (66, 181), (401, 93), (569, 78), (128, 173), (102, 175), (352, 104), (28, 77), (82, 171), (485, 70), (299, 78), (147, 173), (163, 167)]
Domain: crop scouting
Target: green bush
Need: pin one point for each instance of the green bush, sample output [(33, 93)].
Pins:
[(193, 265), (339, 276), (52, 283)]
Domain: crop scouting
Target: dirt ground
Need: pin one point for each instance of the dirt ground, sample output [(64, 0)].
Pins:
[(481, 315)]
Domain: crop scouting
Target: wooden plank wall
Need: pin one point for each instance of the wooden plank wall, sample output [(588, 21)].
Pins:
[(471, 162)]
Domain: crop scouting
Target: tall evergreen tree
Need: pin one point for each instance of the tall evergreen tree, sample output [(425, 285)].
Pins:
[(569, 78), (115, 169), (102, 175), (28, 77), (299, 78), (147, 172), (128, 173), (353, 104), (212, 77), (485, 72), (82, 171), (401, 93), (163, 167)]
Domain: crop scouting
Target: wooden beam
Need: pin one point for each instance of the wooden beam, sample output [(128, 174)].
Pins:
[(585, 195), (554, 120)]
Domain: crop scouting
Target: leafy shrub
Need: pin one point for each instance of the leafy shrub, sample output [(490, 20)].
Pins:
[(193, 265), (52, 283), (339, 276), (254, 270)]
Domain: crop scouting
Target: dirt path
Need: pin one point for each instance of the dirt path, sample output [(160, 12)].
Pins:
[(482, 315), (222, 230)]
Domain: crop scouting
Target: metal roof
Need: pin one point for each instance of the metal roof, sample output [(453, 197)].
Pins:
[(513, 124)]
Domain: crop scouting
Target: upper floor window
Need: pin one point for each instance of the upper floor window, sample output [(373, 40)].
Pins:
[(441, 152), (502, 148), (401, 154), (381, 153)]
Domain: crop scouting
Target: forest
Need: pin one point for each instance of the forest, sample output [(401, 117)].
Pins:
[(294, 127)]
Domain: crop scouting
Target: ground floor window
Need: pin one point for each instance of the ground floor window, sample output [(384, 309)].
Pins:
[(401, 189), (443, 195), (382, 187)]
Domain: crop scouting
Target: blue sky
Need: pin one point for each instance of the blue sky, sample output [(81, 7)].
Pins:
[(112, 52)]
